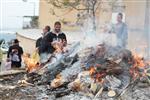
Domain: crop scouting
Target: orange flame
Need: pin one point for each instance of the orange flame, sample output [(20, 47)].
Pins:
[(138, 61), (30, 63), (98, 77), (92, 70)]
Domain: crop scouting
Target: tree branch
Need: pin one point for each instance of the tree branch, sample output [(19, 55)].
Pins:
[(98, 5)]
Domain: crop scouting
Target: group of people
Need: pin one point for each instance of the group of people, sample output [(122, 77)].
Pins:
[(14, 54), (46, 43)]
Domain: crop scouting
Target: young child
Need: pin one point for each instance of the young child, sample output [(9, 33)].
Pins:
[(8, 64), (14, 55)]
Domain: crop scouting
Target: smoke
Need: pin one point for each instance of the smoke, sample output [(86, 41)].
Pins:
[(92, 38), (138, 40)]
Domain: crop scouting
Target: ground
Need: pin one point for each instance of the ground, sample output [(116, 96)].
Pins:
[(10, 90)]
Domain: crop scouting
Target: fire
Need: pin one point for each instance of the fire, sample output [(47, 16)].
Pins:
[(30, 63), (92, 70), (98, 77), (138, 61), (138, 64), (138, 69)]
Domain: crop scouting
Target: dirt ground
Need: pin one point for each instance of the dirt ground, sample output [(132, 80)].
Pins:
[(10, 90)]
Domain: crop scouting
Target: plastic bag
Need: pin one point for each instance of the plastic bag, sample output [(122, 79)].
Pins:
[(8, 65), (35, 56)]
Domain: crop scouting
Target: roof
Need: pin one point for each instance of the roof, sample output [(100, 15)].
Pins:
[(30, 33), (36, 33)]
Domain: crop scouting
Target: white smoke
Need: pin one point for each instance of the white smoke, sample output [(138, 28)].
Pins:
[(92, 38)]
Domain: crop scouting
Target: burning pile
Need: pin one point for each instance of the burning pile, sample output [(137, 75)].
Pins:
[(94, 70)]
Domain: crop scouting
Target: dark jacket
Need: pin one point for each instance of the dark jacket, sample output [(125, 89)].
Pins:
[(38, 42), (52, 36), (44, 44), (17, 47), (19, 50), (61, 36)]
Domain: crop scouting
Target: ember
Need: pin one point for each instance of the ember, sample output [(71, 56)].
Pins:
[(92, 70)]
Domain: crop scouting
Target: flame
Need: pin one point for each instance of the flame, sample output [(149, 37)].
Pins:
[(138, 64), (30, 63), (138, 61), (98, 77), (92, 70)]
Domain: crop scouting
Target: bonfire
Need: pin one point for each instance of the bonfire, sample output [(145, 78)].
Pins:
[(100, 72)]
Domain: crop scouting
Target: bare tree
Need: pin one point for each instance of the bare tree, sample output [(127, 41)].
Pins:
[(89, 7)]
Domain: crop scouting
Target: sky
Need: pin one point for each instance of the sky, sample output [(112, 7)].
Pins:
[(12, 12)]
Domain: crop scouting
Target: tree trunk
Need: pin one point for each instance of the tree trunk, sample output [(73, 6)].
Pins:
[(94, 23), (94, 18)]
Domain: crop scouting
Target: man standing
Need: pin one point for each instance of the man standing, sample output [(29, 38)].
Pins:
[(57, 35), (42, 44), (14, 54), (121, 31)]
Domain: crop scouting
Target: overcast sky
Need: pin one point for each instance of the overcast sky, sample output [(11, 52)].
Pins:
[(12, 12)]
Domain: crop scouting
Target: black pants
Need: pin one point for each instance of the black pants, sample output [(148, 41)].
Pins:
[(15, 64)]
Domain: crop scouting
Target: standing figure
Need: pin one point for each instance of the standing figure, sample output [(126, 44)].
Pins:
[(58, 38), (42, 44), (14, 54), (121, 31)]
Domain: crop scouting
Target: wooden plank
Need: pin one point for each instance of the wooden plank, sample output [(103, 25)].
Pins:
[(12, 72)]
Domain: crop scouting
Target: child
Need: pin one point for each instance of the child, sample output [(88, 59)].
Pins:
[(8, 64), (14, 55)]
